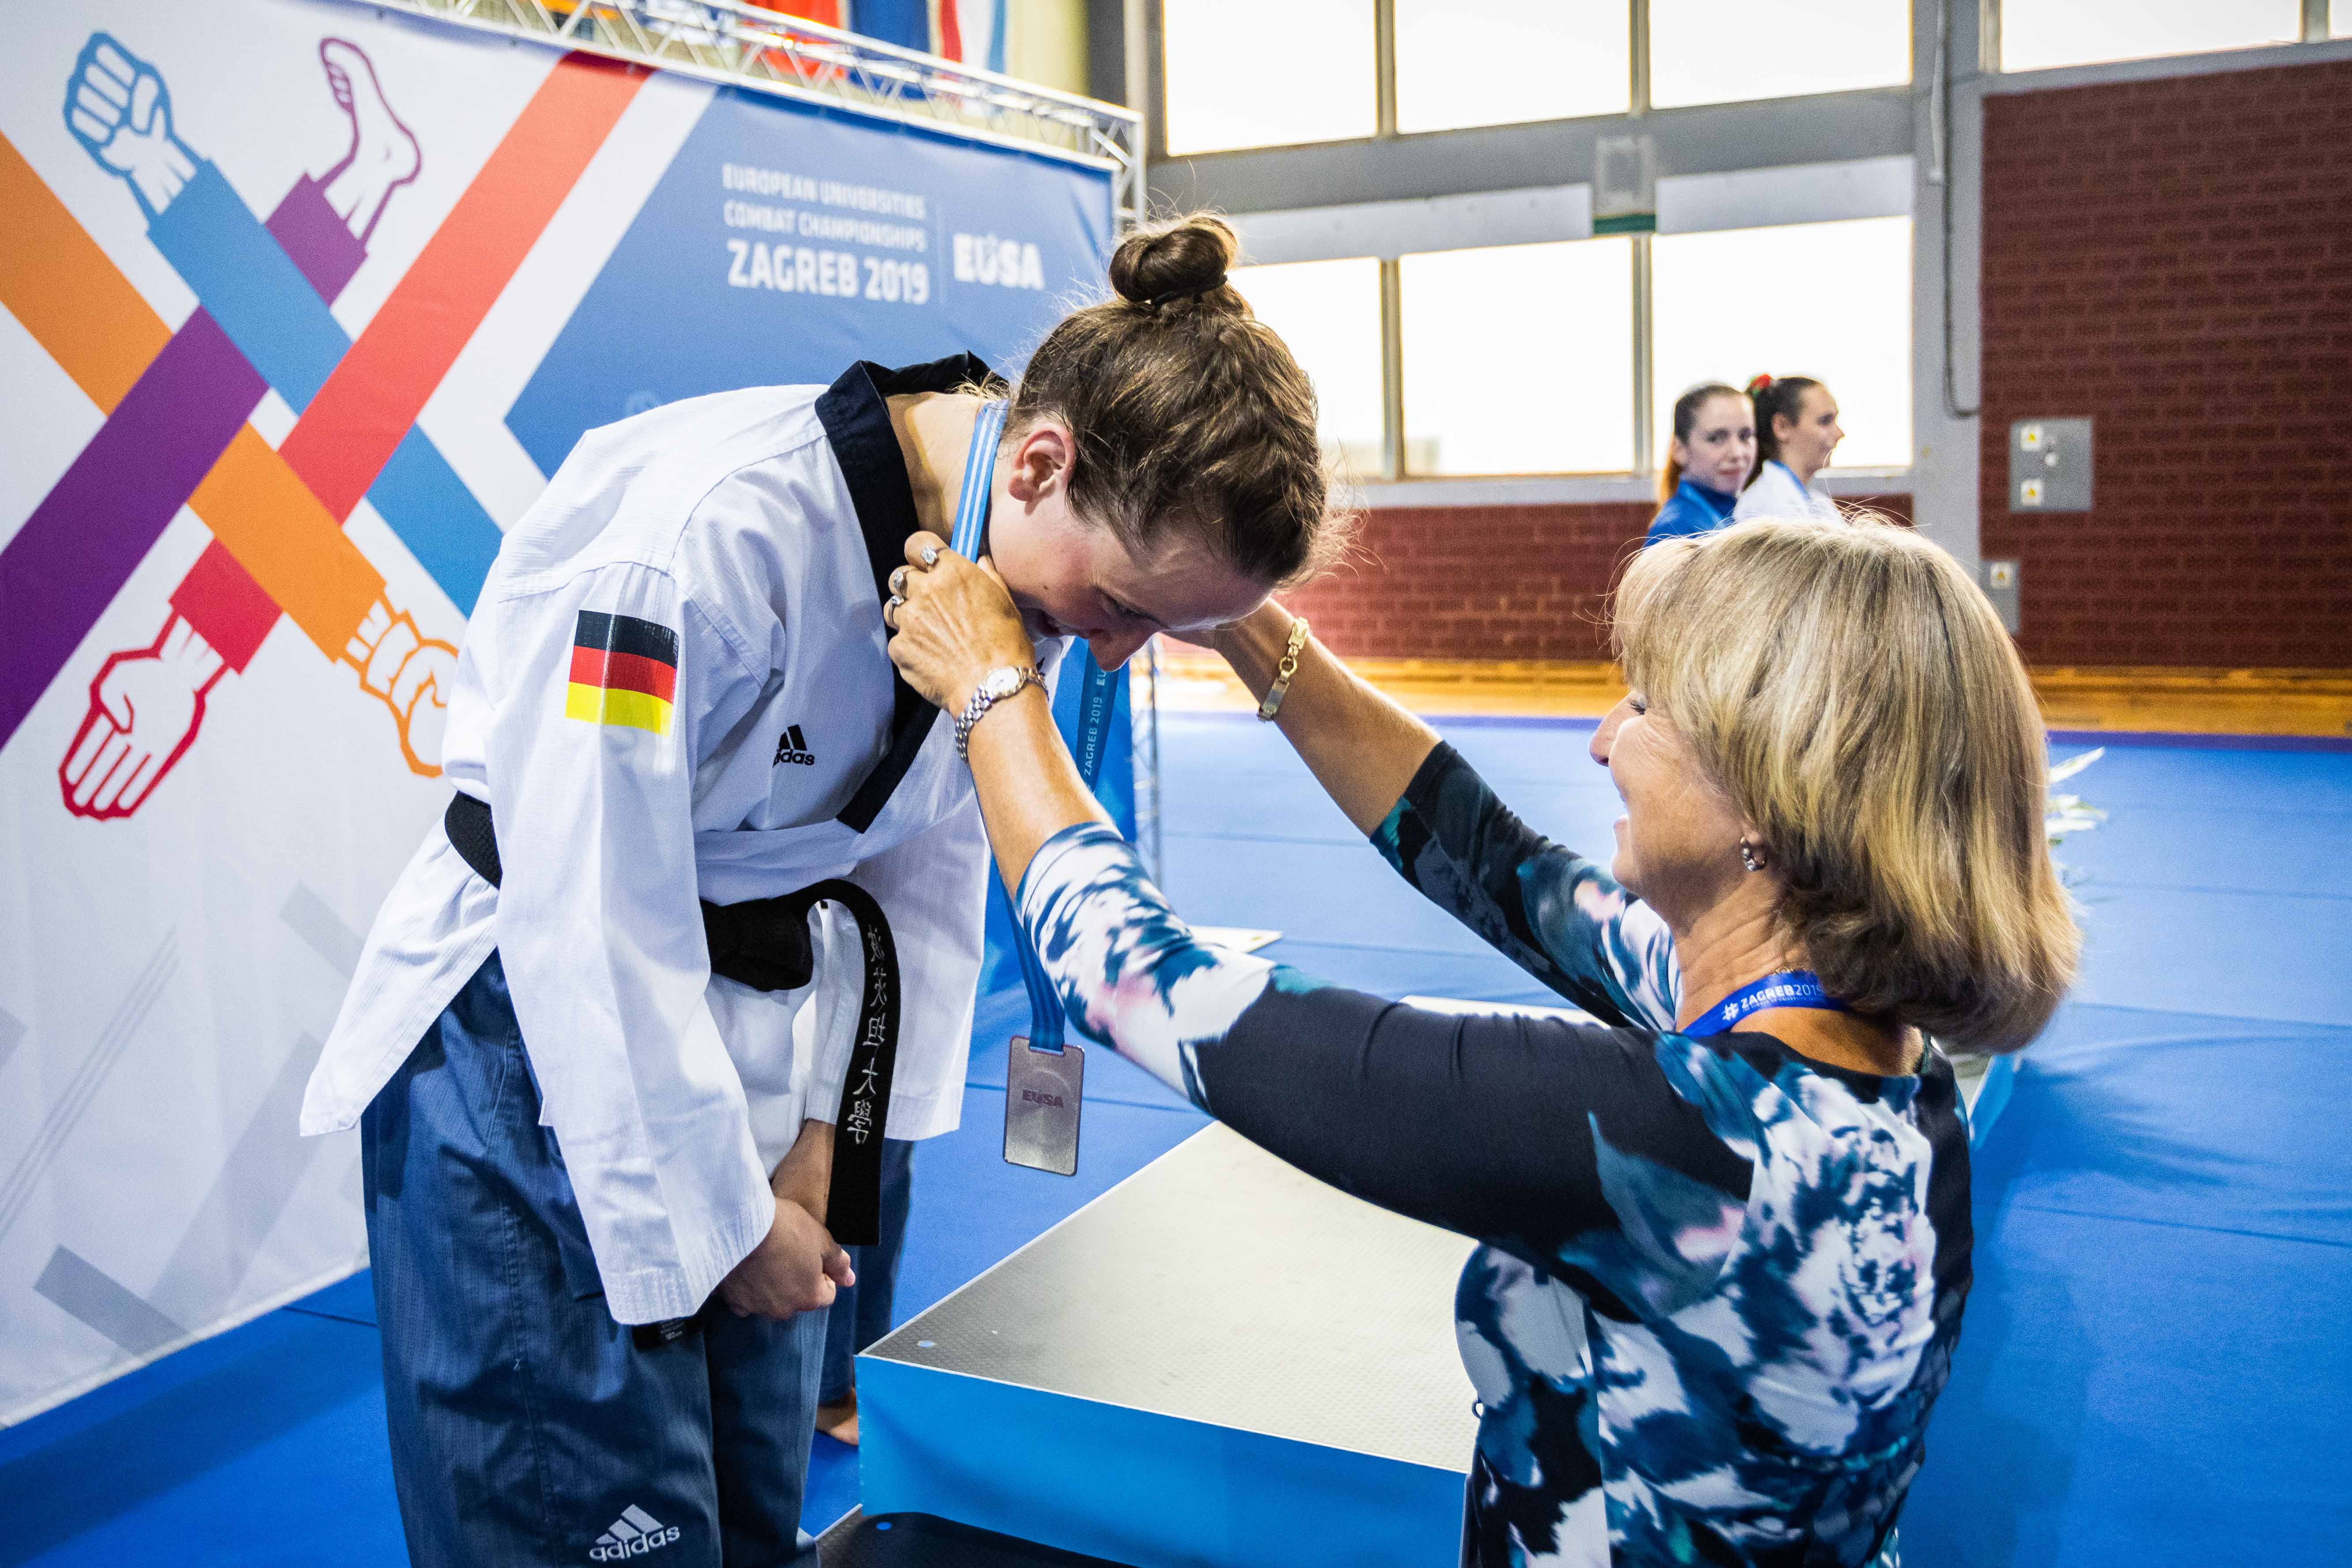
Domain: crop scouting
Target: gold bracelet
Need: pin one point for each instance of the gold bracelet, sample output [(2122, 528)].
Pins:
[(1284, 672)]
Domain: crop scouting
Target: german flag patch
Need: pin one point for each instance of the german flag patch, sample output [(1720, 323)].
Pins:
[(623, 671)]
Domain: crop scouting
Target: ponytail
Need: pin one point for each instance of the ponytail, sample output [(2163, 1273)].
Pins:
[(1775, 397)]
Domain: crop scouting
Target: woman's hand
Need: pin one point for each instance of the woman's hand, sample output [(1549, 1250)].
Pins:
[(952, 622)]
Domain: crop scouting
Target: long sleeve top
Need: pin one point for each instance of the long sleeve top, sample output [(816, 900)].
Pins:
[(1718, 1284)]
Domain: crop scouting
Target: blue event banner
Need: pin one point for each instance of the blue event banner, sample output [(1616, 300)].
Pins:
[(787, 240)]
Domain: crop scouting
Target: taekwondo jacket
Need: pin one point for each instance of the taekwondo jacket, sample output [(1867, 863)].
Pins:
[(676, 688)]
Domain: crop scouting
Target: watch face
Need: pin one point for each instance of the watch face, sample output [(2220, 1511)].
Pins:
[(1000, 682)]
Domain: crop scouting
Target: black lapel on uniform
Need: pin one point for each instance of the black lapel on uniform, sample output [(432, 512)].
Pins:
[(857, 425)]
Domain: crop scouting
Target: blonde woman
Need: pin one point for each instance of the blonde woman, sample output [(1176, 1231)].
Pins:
[(1725, 1230)]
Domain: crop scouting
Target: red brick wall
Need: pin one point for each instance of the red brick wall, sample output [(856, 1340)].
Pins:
[(2174, 259), (1484, 582), (1476, 582)]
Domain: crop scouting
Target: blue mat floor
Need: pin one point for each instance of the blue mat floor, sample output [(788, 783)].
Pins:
[(2154, 1369)]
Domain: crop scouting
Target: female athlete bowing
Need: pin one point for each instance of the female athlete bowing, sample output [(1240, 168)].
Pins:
[(570, 1042)]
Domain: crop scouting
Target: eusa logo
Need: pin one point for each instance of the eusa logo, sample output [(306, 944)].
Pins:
[(1007, 263)]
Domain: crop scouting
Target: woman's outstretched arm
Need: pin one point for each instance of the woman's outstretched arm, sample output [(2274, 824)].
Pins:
[(1431, 817), (1360, 746)]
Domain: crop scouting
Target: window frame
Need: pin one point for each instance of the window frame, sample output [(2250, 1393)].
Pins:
[(1151, 17), (2316, 30), (1399, 170)]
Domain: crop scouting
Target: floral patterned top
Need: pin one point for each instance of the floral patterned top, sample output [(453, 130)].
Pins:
[(1719, 1284)]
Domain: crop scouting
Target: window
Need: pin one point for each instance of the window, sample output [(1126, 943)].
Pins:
[(1704, 51), (1329, 315), (2038, 34), (1519, 360), (1831, 300), (1259, 75), (1494, 62)]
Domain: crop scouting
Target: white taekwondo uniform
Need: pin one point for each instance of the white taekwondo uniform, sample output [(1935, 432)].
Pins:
[(750, 533), (1778, 493)]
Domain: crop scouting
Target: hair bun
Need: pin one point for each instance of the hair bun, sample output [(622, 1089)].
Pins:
[(1757, 383), (1185, 257)]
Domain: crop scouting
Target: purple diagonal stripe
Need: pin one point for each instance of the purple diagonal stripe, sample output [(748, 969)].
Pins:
[(96, 524)]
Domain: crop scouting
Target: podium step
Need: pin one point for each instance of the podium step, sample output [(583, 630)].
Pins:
[(1220, 1362), (919, 1540)]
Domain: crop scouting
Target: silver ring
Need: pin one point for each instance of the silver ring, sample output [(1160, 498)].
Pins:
[(890, 610), (898, 580), (930, 556)]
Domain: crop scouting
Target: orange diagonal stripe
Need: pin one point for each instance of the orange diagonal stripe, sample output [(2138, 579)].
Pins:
[(74, 301), (376, 394), (280, 533)]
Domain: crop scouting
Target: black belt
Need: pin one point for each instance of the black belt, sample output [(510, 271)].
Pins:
[(764, 943)]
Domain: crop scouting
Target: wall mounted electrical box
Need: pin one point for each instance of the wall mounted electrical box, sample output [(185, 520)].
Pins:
[(2050, 465), (2003, 586)]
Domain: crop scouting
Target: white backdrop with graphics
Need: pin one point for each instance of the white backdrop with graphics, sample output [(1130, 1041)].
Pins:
[(298, 307)]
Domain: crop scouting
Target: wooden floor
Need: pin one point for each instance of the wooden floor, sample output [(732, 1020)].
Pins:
[(2175, 701)]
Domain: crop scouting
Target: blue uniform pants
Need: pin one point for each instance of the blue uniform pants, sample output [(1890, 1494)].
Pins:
[(528, 1427), (861, 1314)]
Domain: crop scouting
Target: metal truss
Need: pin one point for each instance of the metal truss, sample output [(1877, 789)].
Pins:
[(743, 45)]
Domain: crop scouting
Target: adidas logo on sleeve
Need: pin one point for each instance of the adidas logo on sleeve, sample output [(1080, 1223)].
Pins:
[(633, 1534)]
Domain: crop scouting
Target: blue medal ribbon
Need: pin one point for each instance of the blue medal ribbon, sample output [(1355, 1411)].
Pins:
[(1789, 988), (1084, 730), (969, 540)]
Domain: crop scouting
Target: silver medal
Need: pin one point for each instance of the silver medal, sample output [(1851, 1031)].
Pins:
[(1042, 1100)]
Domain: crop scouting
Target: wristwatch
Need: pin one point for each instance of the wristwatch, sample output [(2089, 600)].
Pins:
[(995, 687)]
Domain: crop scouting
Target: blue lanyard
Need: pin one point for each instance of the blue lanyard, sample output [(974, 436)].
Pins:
[(1789, 988), (969, 538), (1084, 729)]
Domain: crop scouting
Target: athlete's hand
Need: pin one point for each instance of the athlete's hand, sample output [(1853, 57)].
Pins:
[(957, 623), (797, 1267), (119, 108), (804, 1176), (144, 709)]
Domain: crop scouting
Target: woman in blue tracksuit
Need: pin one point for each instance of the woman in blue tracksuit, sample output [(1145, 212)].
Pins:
[(1713, 448)]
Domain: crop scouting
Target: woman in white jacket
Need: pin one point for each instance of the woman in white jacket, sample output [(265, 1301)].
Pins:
[(604, 1189), (1796, 431)]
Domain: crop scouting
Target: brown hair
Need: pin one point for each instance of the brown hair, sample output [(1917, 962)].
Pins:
[(1190, 417), (1850, 688), (1776, 398), (1686, 409)]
